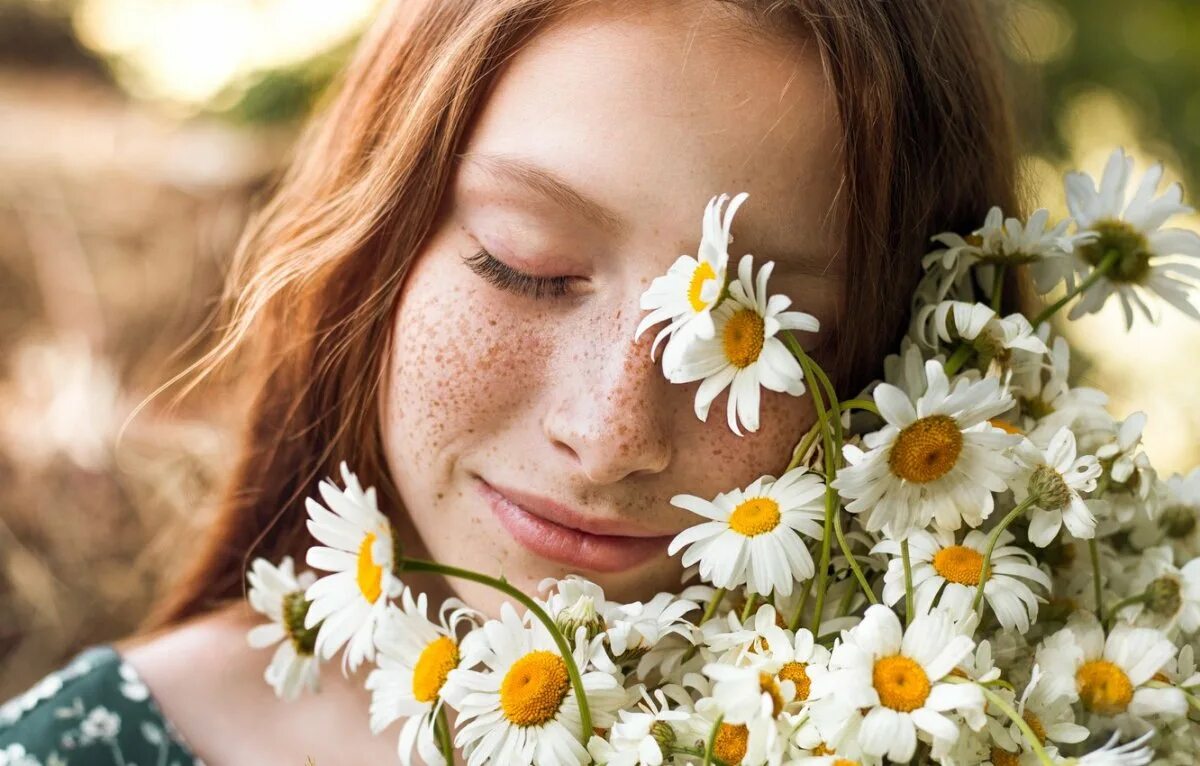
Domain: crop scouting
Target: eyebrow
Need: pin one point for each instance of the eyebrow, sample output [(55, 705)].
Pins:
[(546, 184)]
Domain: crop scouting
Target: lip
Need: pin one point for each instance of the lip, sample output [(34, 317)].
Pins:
[(565, 536)]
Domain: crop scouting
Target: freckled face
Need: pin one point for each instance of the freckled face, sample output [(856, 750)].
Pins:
[(528, 434)]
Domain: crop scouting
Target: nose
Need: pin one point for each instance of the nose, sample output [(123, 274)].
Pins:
[(611, 413)]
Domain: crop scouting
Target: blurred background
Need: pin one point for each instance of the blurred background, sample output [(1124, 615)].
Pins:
[(136, 136)]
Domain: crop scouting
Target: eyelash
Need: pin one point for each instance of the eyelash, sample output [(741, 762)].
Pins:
[(507, 278)]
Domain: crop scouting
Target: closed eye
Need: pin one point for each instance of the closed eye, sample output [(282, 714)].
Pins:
[(507, 278)]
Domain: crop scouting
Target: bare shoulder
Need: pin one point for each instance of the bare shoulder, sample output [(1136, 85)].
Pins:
[(209, 683), (207, 680)]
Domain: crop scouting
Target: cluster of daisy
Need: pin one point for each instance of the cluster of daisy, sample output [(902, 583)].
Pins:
[(971, 562)]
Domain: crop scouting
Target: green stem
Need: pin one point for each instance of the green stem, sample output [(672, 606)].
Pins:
[(909, 609), (985, 570), (712, 741), (564, 648), (748, 609), (794, 623), (441, 731), (958, 358), (1094, 554), (1035, 743), (1110, 259), (833, 456), (998, 287), (863, 583), (860, 404)]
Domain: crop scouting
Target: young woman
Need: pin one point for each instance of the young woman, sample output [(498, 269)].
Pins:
[(444, 290)]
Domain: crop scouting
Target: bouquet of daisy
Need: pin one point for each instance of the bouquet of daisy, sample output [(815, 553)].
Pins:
[(970, 562)]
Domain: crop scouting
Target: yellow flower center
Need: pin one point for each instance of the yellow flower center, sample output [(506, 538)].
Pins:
[(437, 659), (754, 516), (1103, 687), (731, 742), (960, 564), (1001, 757), (845, 762), (743, 338), (702, 274), (901, 683), (534, 688), (822, 749), (926, 449), (766, 682), (370, 574), (797, 673), (1035, 725)]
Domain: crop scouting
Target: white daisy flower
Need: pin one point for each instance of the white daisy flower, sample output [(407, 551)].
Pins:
[(753, 536), (993, 337), (414, 658), (686, 295), (761, 737), (277, 593), (638, 629), (641, 737), (1130, 226), (793, 657), (1170, 595), (521, 708), (1002, 241), (1110, 675), (1057, 476), (1051, 718), (949, 570), (938, 461), (360, 552), (1131, 479), (744, 352), (897, 676)]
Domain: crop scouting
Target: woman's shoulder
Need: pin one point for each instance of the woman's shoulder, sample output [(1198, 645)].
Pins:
[(95, 711)]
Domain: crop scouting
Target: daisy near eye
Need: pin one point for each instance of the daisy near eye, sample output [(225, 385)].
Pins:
[(685, 296), (744, 353), (753, 536), (941, 460)]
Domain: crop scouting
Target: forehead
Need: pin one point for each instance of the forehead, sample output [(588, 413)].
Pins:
[(654, 108)]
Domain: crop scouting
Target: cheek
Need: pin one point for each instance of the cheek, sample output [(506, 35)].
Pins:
[(710, 458), (460, 367)]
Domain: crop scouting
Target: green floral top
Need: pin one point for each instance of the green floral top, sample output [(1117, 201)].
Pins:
[(94, 712)]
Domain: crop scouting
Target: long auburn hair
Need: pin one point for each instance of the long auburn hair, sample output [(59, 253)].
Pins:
[(927, 144)]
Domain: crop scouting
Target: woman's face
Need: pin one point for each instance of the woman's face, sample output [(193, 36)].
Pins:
[(531, 435)]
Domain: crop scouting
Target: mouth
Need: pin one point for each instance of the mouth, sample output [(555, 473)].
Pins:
[(565, 536)]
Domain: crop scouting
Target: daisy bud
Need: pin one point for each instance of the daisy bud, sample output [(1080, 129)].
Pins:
[(581, 614), (1048, 486), (664, 735), (1163, 596)]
